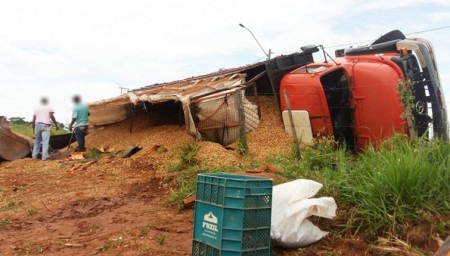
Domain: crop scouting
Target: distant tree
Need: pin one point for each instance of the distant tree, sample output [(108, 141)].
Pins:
[(17, 120), (61, 126)]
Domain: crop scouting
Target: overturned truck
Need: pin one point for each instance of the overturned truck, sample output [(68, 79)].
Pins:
[(369, 93), (356, 97)]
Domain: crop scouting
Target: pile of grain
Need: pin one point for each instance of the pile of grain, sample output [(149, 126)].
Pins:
[(118, 136), (145, 135), (269, 138), (214, 155)]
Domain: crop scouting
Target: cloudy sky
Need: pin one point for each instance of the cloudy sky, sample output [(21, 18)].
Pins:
[(59, 48)]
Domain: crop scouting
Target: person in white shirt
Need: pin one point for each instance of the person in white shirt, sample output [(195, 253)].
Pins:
[(42, 121)]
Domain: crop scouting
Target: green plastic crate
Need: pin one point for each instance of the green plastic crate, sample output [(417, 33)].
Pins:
[(232, 215)]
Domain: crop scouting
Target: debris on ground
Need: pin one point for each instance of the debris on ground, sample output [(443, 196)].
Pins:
[(59, 154), (77, 156), (105, 149), (81, 166), (267, 168), (188, 202), (130, 151), (155, 148)]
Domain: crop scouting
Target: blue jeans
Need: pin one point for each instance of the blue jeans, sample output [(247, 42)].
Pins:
[(80, 133), (42, 136)]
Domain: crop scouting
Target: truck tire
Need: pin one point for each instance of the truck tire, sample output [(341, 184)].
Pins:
[(390, 36)]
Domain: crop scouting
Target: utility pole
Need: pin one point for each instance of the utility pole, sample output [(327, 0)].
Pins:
[(121, 88), (268, 54)]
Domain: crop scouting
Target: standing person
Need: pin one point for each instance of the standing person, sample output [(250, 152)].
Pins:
[(80, 115), (42, 120)]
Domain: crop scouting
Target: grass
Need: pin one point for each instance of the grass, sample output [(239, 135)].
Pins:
[(187, 168), (402, 182), (11, 206), (145, 229), (30, 248), (161, 239), (187, 156), (111, 244), (394, 246), (32, 212), (4, 222), (94, 154), (27, 130)]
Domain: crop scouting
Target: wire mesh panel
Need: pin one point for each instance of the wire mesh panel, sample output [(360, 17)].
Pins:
[(217, 117)]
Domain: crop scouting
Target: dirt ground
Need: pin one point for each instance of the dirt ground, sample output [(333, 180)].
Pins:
[(120, 206), (109, 211), (46, 209)]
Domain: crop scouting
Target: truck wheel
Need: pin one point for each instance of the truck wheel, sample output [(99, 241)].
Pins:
[(390, 36)]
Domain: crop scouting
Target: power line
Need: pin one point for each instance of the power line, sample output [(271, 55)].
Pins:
[(411, 33), (428, 30)]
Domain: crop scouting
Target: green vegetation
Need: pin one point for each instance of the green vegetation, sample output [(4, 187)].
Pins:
[(406, 91), (30, 248), (27, 130), (111, 244), (11, 206), (20, 126), (381, 191), (387, 188), (185, 171), (404, 181), (241, 147), (161, 239), (187, 153), (145, 229), (4, 222), (32, 212)]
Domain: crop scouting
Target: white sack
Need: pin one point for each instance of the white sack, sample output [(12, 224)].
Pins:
[(291, 206)]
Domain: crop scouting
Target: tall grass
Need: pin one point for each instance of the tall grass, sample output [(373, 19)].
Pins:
[(322, 162), (401, 182)]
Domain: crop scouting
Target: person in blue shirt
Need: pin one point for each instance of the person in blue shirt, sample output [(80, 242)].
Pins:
[(79, 124)]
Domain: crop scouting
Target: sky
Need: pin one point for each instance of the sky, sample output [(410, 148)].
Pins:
[(59, 48)]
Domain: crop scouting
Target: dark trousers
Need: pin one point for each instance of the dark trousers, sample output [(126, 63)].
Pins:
[(80, 133)]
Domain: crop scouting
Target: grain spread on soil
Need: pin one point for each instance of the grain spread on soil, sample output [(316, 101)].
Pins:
[(268, 139)]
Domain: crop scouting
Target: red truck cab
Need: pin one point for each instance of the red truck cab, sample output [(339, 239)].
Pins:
[(356, 98)]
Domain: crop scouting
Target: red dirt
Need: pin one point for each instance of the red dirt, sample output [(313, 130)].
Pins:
[(89, 212)]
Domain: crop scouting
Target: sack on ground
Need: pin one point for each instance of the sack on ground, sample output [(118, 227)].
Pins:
[(292, 204)]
